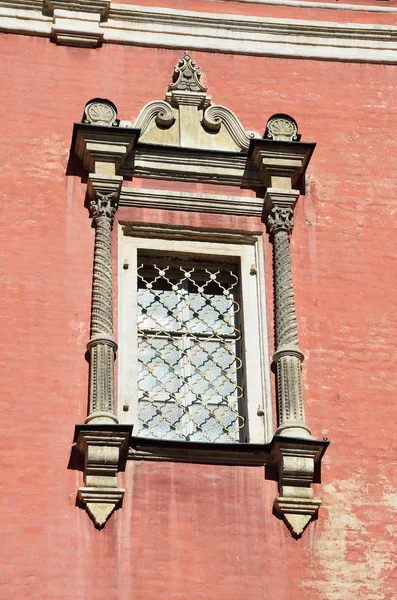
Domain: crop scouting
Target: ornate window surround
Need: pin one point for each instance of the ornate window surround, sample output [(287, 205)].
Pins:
[(185, 137), (249, 251)]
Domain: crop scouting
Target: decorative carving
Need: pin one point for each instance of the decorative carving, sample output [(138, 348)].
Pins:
[(186, 76), (102, 450), (296, 459), (103, 205), (102, 209), (100, 112), (286, 328), (101, 439), (280, 219), (296, 463), (104, 193), (282, 128), (287, 356), (217, 115), (159, 110)]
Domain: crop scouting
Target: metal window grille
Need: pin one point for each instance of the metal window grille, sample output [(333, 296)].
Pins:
[(189, 350)]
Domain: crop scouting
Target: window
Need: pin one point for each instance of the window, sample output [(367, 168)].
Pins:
[(193, 363)]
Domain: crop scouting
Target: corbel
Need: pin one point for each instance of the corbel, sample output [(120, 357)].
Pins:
[(281, 159), (77, 22), (101, 439)]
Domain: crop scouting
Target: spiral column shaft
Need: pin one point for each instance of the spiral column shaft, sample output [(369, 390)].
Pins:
[(102, 346), (287, 356)]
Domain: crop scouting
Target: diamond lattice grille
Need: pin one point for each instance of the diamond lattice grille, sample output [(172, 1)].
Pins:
[(188, 348)]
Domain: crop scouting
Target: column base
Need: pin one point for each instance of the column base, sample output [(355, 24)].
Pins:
[(294, 429), (101, 417)]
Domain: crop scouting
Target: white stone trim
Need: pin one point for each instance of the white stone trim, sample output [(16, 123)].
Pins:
[(188, 201), (162, 27), (249, 250), (322, 5)]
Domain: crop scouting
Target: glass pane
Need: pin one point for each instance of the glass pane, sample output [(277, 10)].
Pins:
[(189, 339)]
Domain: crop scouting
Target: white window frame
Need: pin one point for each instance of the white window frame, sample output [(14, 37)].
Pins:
[(249, 251)]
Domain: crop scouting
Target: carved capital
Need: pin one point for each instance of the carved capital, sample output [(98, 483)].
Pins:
[(104, 205), (280, 219), (279, 209), (103, 196)]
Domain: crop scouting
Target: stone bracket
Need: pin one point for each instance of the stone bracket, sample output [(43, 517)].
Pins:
[(297, 459), (77, 22), (103, 146), (102, 446), (278, 161)]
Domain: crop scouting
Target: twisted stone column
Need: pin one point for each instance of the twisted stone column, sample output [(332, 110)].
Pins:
[(287, 357), (102, 347)]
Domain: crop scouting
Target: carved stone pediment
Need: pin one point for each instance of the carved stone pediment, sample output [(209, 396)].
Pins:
[(187, 138), (186, 117)]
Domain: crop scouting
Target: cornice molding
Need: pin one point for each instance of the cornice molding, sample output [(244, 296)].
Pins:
[(169, 28), (188, 201), (321, 5)]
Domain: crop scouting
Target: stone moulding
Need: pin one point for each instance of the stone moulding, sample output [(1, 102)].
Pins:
[(187, 201), (89, 24)]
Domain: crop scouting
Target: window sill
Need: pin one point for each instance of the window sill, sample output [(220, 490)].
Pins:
[(252, 455)]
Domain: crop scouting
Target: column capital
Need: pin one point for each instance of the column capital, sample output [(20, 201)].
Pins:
[(278, 209), (103, 194)]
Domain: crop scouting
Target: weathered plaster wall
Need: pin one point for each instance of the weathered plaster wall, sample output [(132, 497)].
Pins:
[(189, 531)]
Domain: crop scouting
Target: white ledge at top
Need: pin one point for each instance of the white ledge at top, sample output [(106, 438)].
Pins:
[(236, 34), (321, 5)]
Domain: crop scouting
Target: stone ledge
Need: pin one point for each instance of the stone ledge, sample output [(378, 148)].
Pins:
[(162, 27), (200, 452)]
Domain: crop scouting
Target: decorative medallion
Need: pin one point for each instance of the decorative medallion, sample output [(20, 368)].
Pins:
[(101, 112), (282, 128)]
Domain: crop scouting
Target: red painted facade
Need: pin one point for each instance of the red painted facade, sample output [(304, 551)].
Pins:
[(189, 531)]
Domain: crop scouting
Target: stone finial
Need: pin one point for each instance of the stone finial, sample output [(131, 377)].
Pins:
[(186, 76), (282, 128), (100, 111)]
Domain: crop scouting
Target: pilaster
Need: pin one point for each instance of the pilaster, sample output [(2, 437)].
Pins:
[(281, 160), (102, 148)]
